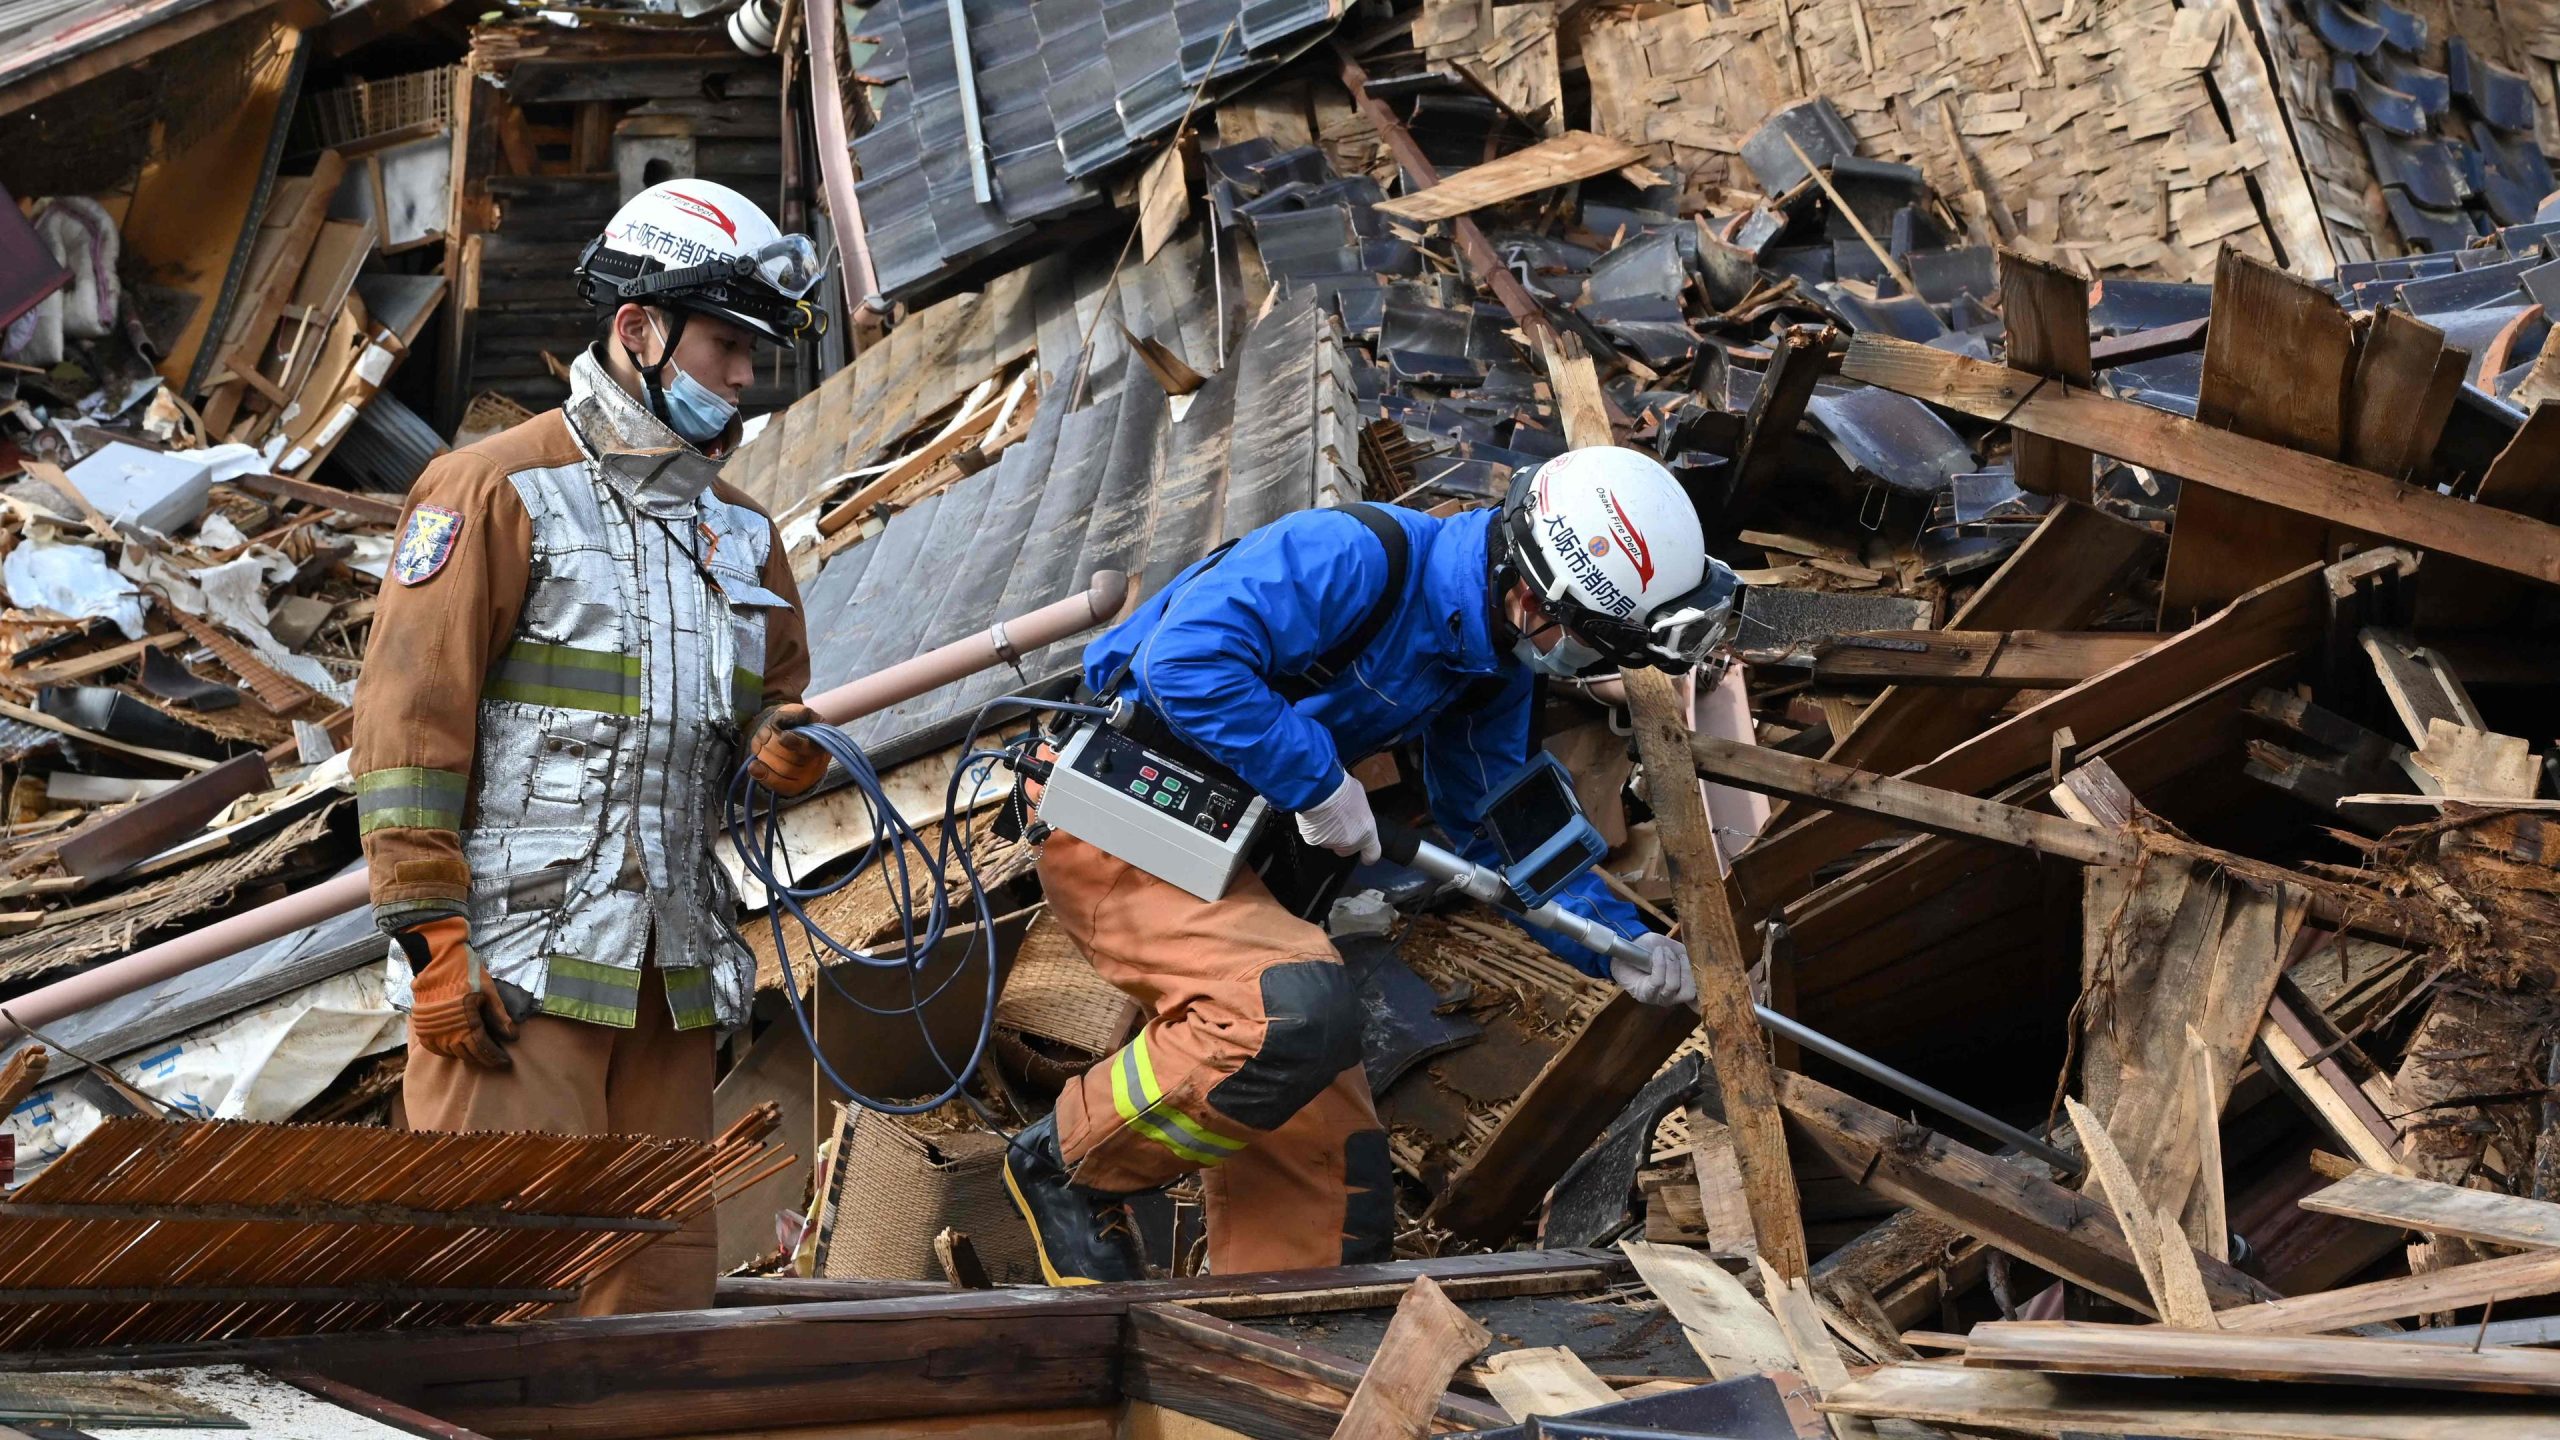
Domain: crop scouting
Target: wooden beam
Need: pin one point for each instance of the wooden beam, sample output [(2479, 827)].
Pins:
[(2440, 1209), (1574, 155), (2512, 1277), (1916, 806), (2044, 314), (1426, 1342), (2274, 620), (34, 75), (2012, 659), (2007, 1205), (2308, 484), (2077, 1347), (1571, 1101), (1258, 1385), (2010, 1401), (1723, 971), (376, 508)]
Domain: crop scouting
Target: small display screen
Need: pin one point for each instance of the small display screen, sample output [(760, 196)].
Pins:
[(1532, 812)]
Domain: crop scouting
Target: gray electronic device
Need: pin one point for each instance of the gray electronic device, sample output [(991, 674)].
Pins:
[(1183, 826)]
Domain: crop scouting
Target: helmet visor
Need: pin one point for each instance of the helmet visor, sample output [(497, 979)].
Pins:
[(790, 265)]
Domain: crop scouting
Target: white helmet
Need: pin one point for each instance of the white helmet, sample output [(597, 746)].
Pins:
[(691, 245), (1614, 551)]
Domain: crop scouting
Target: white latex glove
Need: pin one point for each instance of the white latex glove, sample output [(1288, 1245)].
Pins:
[(1663, 977), (1341, 822)]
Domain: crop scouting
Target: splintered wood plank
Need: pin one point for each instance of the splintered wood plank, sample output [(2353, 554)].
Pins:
[(2350, 497), (1724, 1324), (1426, 1342), (1786, 387), (2347, 1115), (2440, 1209), (2181, 954), (2159, 1247), (2403, 392), (2248, 95), (1720, 1198), (2277, 360), (2044, 312), (1546, 1381), (2008, 1206), (1574, 155), (2208, 1216), (1582, 411), (1723, 972), (2421, 686), (2511, 1277), (2472, 762), (1817, 1358), (2037, 1404), (2078, 1347), (2061, 577)]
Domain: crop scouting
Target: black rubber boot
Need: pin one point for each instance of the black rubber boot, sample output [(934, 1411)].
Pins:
[(1084, 1237)]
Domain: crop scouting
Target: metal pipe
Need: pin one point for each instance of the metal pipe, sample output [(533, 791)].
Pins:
[(981, 185), (835, 149), (1485, 884), (999, 643)]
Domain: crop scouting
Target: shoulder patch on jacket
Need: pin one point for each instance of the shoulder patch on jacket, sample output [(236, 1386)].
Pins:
[(426, 544)]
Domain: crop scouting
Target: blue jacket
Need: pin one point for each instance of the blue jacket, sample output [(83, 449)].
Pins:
[(1206, 645)]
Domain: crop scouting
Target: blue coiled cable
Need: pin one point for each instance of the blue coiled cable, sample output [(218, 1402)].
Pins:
[(754, 823)]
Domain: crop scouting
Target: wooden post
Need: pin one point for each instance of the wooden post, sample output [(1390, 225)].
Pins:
[(1724, 984)]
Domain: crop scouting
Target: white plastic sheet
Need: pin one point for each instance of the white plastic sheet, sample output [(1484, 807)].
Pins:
[(71, 580)]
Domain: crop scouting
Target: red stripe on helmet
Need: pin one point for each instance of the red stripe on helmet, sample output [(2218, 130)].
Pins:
[(1637, 549)]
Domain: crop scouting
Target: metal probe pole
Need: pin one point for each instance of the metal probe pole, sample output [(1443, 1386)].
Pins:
[(998, 644), (1485, 884)]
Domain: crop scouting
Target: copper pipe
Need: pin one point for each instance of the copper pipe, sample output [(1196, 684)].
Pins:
[(998, 644), (835, 152)]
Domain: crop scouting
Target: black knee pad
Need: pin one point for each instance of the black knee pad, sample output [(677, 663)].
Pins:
[(1311, 1033)]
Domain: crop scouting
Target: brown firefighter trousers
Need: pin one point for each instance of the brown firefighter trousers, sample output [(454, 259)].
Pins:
[(570, 1077), (1248, 1067)]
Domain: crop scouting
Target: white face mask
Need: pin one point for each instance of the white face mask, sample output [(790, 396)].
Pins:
[(694, 410), (1568, 659)]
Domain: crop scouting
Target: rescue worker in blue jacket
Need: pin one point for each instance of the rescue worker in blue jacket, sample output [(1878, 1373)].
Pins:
[(1249, 1067)]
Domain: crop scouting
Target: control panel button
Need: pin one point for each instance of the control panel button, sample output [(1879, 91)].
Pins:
[(1146, 772), (1137, 787), (1164, 799), (1205, 823)]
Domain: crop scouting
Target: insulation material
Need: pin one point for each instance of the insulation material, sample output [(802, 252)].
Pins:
[(261, 1064)]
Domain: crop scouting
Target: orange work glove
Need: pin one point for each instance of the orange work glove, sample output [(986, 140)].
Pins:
[(454, 1008), (781, 761)]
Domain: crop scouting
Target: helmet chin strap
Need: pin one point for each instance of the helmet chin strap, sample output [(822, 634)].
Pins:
[(653, 376)]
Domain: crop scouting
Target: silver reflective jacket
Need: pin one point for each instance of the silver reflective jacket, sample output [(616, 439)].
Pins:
[(609, 727)]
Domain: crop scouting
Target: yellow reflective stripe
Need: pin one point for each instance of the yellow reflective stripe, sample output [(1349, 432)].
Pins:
[(1134, 1115), (1193, 1129)]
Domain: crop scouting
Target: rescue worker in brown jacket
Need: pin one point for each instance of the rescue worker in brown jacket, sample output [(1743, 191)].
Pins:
[(581, 633)]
